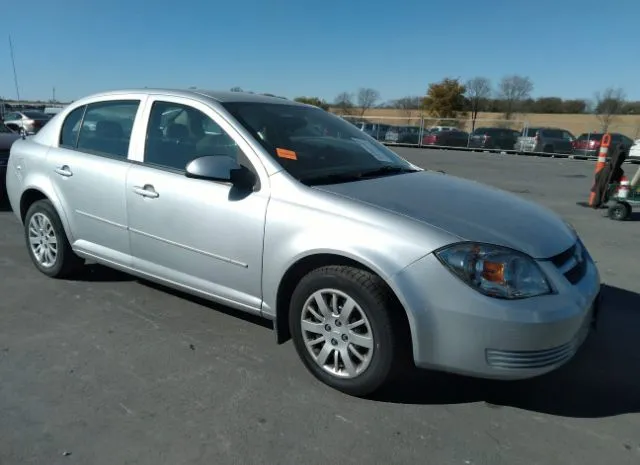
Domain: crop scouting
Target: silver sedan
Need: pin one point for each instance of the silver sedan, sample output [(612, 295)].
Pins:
[(286, 211)]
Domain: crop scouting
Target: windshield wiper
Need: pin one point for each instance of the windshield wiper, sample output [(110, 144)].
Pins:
[(348, 176), (387, 169)]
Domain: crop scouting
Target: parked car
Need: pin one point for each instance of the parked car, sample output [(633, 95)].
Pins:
[(28, 121), (588, 144), (331, 235), (545, 140), (493, 138), (634, 151), (375, 130), (7, 138), (449, 138), (403, 135)]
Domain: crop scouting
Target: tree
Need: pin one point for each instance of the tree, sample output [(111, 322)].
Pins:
[(367, 97), (445, 99), (513, 90), (478, 91), (608, 104), (344, 103), (576, 106), (318, 102), (407, 106), (548, 105), (236, 89)]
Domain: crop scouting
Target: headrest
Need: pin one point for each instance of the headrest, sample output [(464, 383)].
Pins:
[(177, 131), (109, 129)]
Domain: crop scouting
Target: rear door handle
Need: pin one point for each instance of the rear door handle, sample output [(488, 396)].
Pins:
[(64, 170), (146, 191)]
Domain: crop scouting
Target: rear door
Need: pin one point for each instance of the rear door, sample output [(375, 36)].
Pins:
[(89, 171)]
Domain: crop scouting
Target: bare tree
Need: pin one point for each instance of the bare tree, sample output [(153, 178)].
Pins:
[(513, 90), (478, 92), (608, 104), (344, 103), (367, 98), (407, 106)]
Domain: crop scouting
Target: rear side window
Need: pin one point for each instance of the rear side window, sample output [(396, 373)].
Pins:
[(70, 128), (106, 128)]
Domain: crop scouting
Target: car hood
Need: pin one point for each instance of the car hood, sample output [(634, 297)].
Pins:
[(466, 209), (6, 140)]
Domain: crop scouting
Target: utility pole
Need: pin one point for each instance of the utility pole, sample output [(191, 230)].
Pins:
[(54, 94), (13, 62)]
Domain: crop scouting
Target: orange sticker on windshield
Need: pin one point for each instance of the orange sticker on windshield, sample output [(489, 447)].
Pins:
[(289, 154)]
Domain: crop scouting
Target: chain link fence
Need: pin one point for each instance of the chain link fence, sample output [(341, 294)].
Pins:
[(571, 139)]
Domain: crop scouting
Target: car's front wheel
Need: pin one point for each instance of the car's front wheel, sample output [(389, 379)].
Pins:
[(47, 242), (345, 324)]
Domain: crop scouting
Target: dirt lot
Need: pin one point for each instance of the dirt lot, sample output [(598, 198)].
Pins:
[(110, 370)]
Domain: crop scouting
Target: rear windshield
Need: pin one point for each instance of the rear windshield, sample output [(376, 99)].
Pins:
[(490, 131), (556, 133), (34, 115), (592, 136)]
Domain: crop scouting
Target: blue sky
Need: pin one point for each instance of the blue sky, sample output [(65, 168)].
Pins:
[(319, 47)]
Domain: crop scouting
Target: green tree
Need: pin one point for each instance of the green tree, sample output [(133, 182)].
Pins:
[(316, 101), (445, 99)]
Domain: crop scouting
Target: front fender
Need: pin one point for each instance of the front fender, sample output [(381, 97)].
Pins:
[(294, 232)]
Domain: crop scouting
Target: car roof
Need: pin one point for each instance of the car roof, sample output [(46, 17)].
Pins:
[(219, 96)]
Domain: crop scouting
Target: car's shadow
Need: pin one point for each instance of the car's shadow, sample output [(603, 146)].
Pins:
[(602, 380), (94, 273), (5, 206)]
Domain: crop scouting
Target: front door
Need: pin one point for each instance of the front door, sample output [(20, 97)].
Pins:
[(89, 172), (198, 234)]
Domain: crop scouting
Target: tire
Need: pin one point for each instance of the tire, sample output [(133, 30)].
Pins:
[(620, 211), (59, 263), (387, 355)]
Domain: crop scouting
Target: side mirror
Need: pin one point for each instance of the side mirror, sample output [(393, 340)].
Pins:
[(220, 168)]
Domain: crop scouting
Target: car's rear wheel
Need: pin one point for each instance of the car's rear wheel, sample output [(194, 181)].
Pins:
[(47, 242), (346, 327)]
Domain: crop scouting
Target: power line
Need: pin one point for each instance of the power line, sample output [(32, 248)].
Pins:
[(13, 62)]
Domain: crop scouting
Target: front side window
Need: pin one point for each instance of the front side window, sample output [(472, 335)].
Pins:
[(106, 128), (313, 145), (177, 134)]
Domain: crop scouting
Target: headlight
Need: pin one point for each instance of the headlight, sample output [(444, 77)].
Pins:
[(495, 271)]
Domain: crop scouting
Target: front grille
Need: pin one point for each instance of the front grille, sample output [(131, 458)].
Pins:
[(511, 359), (572, 262)]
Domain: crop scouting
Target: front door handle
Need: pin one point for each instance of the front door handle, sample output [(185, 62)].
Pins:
[(146, 191), (64, 170)]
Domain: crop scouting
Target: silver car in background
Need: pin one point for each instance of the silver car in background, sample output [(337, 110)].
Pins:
[(27, 121), (286, 211)]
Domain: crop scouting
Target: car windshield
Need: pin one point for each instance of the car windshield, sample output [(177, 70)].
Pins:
[(315, 146)]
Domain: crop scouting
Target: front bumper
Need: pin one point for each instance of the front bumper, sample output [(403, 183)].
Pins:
[(456, 329)]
